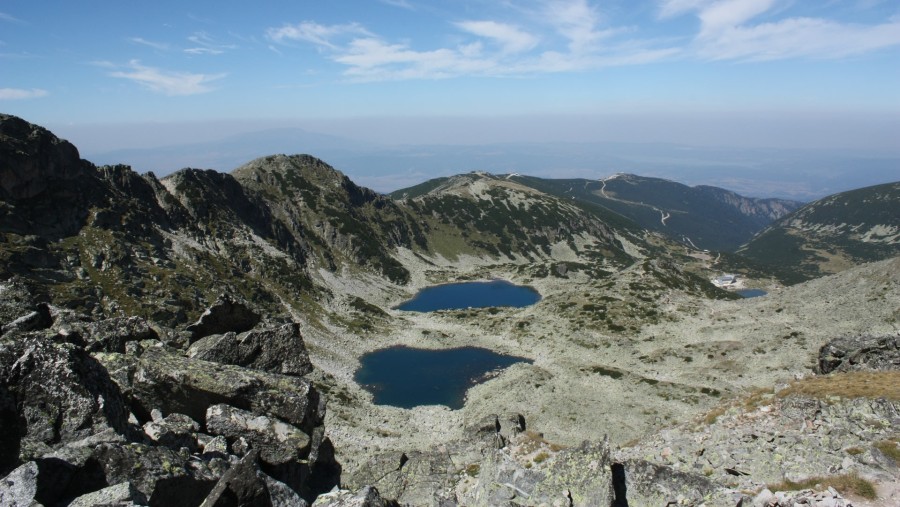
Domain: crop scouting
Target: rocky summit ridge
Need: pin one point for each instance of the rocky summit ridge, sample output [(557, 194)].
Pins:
[(175, 341)]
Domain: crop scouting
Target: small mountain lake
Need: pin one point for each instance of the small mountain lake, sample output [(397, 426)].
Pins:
[(406, 377), (751, 293), (459, 296)]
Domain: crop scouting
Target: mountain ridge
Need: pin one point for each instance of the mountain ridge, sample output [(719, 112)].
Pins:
[(831, 234)]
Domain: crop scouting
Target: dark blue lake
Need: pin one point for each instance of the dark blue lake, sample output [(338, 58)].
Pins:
[(459, 296), (406, 377), (752, 293)]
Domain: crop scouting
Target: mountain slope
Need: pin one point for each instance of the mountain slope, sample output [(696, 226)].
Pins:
[(706, 217), (108, 240), (503, 217), (831, 234)]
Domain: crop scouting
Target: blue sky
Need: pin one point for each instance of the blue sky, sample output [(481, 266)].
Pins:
[(80, 67)]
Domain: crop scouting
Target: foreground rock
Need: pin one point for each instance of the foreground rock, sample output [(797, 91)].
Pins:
[(275, 350), (53, 394), (225, 315), (856, 353), (161, 429), (811, 430)]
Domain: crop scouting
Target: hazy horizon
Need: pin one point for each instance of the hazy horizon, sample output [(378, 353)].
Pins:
[(766, 75)]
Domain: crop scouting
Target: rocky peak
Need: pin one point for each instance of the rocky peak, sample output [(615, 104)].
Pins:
[(31, 158)]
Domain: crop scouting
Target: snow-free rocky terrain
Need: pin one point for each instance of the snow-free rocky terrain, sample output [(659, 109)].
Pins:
[(193, 340)]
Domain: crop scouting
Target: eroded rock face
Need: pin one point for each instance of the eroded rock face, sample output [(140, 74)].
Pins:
[(201, 384), (123, 494), (277, 442), (240, 485), (60, 394), (855, 353), (367, 496), (31, 158), (173, 431), (225, 315), (275, 350)]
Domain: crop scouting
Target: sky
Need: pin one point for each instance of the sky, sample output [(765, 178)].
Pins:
[(772, 73)]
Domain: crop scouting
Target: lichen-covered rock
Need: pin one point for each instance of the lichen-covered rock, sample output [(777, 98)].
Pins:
[(367, 496), (276, 350), (173, 431), (240, 485), (854, 353), (20, 486), (225, 315), (34, 320), (111, 335), (60, 394), (281, 494), (579, 476), (414, 478), (123, 494), (582, 474), (173, 383), (165, 477), (277, 442), (652, 484)]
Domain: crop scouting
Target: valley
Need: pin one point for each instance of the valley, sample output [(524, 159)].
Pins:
[(588, 381)]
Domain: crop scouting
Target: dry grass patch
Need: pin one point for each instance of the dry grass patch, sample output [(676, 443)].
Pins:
[(889, 448), (857, 384), (847, 484)]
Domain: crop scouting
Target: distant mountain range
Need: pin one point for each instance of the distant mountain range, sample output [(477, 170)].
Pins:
[(703, 217), (790, 174)]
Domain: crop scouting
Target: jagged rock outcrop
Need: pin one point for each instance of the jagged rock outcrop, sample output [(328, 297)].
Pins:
[(240, 485), (367, 496), (276, 442), (855, 353), (60, 394), (32, 159), (201, 384), (775, 438), (157, 430), (275, 350), (225, 315)]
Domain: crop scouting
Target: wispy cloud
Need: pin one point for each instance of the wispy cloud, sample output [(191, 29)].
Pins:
[(155, 45), (403, 4), (510, 38), (320, 35), (204, 44), (727, 14), (553, 36), (165, 81), (21, 94), (577, 21), (728, 31), (568, 36)]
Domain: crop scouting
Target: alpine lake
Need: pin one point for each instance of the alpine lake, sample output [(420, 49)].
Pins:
[(407, 377)]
